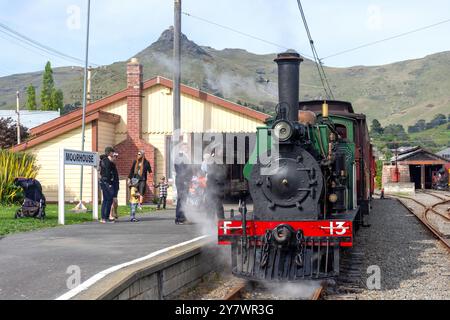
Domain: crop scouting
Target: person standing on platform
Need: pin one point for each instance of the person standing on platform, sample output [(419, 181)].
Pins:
[(107, 183), (217, 175), (183, 178), (163, 186), (114, 214), (138, 174), (134, 202)]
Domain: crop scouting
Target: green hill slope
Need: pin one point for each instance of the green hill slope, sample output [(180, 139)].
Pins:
[(435, 139)]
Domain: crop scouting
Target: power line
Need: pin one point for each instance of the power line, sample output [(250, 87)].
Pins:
[(319, 65), (23, 40), (27, 40), (241, 33), (19, 43), (386, 39)]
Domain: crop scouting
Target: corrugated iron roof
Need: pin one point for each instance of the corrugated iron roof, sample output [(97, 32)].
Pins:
[(407, 154), (444, 153)]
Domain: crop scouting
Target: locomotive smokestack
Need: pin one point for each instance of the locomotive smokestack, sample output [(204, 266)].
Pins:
[(289, 82)]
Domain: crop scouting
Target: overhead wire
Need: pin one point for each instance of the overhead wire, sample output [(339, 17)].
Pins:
[(31, 42), (45, 51), (318, 61), (386, 39), (240, 32)]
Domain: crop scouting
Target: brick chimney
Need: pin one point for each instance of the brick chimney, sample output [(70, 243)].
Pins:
[(128, 148), (134, 99)]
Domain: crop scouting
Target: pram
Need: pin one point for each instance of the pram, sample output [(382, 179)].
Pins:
[(197, 193), (34, 204)]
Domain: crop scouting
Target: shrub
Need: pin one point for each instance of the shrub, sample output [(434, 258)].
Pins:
[(14, 165), (379, 176)]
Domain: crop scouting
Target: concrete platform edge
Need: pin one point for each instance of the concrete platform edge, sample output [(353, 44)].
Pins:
[(126, 283)]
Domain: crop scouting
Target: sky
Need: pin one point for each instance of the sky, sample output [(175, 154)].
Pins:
[(120, 29)]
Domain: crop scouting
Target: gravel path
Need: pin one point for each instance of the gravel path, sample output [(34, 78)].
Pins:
[(413, 264)]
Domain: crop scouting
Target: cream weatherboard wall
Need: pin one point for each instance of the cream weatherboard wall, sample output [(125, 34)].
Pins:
[(197, 116), (106, 136), (47, 156), (119, 108)]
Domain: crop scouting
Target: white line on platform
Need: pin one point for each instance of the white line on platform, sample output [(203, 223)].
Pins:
[(88, 283)]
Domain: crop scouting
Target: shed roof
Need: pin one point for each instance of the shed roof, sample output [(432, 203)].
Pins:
[(444, 152), (418, 155)]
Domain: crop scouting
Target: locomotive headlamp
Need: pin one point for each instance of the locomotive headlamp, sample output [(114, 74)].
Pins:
[(283, 130)]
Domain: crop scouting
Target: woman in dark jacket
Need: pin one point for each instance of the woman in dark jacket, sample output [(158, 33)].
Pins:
[(139, 170), (107, 183), (114, 214)]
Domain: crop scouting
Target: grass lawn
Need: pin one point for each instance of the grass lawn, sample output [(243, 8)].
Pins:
[(9, 225)]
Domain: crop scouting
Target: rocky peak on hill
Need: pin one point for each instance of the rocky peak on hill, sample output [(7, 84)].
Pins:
[(165, 45)]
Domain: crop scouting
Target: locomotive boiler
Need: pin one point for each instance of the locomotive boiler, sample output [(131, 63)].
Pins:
[(310, 179)]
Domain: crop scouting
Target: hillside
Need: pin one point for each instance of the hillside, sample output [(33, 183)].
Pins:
[(435, 139), (401, 92)]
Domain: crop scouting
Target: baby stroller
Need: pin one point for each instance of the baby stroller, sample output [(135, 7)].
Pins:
[(197, 193), (34, 204)]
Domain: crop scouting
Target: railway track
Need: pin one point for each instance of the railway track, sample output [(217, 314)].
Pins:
[(239, 292), (423, 216), (442, 195)]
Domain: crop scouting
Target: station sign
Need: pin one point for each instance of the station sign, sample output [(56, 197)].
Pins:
[(80, 158)]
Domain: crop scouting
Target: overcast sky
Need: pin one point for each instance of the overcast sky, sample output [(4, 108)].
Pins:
[(120, 28)]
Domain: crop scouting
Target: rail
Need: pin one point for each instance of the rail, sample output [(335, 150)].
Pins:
[(426, 210)]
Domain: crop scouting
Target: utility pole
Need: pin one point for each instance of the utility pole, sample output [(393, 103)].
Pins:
[(81, 206), (177, 72), (18, 116)]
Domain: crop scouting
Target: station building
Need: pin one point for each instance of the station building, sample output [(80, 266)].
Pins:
[(137, 118), (415, 165)]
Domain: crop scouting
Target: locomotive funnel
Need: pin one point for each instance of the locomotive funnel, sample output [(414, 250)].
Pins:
[(289, 82)]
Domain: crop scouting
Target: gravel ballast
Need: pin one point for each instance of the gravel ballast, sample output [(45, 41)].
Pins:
[(413, 264)]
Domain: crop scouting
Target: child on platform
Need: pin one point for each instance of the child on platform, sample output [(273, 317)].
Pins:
[(163, 186), (134, 203)]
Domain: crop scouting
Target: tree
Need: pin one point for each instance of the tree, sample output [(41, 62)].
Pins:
[(438, 120), (48, 86), (71, 107), (57, 100), (376, 127), (31, 98), (8, 133), (420, 125), (394, 133)]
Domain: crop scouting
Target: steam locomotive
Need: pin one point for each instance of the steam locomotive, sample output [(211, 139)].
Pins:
[(311, 178)]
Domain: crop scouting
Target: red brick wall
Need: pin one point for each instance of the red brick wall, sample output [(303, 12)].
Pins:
[(404, 173), (129, 148), (128, 151)]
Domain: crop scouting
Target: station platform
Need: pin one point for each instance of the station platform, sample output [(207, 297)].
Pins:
[(34, 265)]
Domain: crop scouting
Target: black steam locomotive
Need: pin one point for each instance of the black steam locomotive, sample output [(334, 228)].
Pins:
[(310, 178)]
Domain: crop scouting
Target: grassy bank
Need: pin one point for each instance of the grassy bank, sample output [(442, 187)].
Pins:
[(9, 225)]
